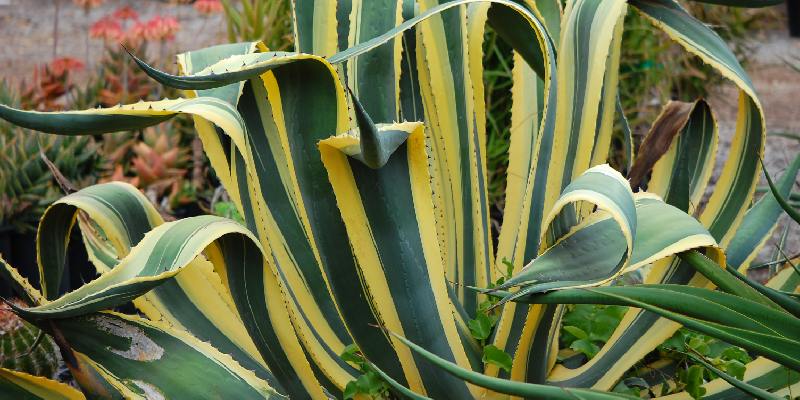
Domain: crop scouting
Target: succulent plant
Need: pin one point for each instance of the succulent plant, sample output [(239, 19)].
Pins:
[(49, 84), (359, 229), (156, 163), (26, 183), (17, 350), (122, 81)]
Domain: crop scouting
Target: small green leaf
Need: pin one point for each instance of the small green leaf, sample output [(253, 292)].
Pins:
[(694, 381), (352, 354), (351, 390), (676, 342), (737, 354), (734, 368), (495, 356), (577, 332), (509, 267), (485, 306), (699, 344), (586, 347), (480, 327), (370, 383), (603, 327)]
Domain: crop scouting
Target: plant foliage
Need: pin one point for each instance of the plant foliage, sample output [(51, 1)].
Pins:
[(362, 230)]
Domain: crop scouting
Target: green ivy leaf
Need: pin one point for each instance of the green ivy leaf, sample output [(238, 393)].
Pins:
[(734, 368), (586, 347), (676, 342), (350, 391), (603, 327), (509, 267), (577, 332), (351, 355), (699, 344), (694, 381), (736, 353), (480, 327), (370, 383), (496, 356), (484, 306)]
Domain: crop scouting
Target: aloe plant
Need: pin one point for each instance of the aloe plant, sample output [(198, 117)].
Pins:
[(362, 230)]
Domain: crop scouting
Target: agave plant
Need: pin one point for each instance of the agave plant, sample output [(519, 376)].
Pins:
[(26, 183), (362, 230)]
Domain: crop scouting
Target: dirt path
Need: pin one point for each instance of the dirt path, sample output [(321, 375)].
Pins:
[(26, 31), (778, 88)]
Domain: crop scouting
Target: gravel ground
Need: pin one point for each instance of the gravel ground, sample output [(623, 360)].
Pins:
[(776, 85), (27, 26)]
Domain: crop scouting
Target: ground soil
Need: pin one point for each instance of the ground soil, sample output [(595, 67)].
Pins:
[(27, 31), (778, 87)]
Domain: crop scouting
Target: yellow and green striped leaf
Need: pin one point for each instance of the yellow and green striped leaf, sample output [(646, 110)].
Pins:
[(731, 318), (195, 301), (273, 108), (19, 284), (168, 250), (640, 332), (21, 386), (574, 261), (389, 220), (587, 54), (145, 360)]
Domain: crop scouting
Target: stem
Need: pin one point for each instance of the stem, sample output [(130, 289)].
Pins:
[(197, 163), (84, 376), (782, 299), (724, 280), (55, 28)]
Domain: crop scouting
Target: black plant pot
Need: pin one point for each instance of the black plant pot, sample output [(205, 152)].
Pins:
[(19, 250), (793, 7), (188, 210)]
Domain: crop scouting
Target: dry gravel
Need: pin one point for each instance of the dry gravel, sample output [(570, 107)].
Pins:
[(26, 31), (778, 88)]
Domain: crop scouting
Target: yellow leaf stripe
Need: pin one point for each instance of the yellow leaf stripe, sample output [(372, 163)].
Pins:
[(15, 383), (385, 250)]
